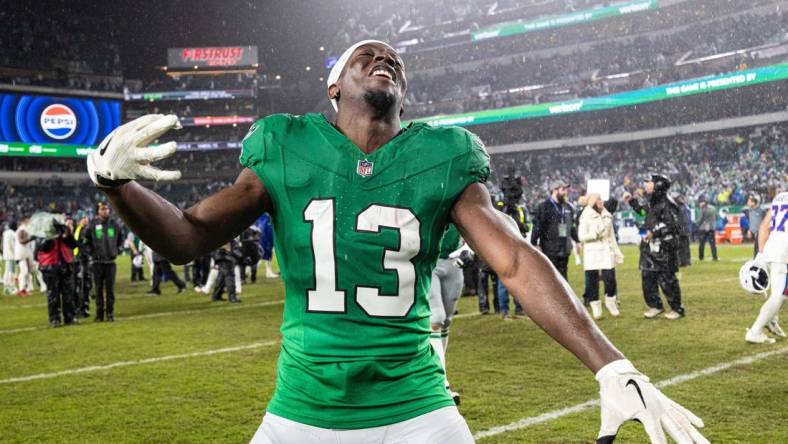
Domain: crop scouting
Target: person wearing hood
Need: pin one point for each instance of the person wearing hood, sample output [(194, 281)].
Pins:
[(659, 248), (601, 254)]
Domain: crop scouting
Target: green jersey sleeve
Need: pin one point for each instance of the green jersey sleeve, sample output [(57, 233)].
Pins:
[(478, 159)]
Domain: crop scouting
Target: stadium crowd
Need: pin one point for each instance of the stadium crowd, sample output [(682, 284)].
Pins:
[(722, 168), (440, 20), (646, 60), (78, 51)]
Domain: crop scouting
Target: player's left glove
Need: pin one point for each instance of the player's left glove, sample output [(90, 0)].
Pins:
[(125, 155), (627, 394)]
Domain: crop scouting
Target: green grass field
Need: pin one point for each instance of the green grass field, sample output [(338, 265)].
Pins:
[(184, 369)]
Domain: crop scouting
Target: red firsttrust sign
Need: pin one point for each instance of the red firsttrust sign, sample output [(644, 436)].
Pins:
[(217, 56)]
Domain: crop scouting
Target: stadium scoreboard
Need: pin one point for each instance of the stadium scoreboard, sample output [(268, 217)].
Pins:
[(221, 57)]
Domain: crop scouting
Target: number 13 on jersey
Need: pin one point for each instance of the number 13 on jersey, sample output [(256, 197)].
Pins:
[(325, 297)]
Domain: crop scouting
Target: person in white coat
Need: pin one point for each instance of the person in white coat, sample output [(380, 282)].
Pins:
[(9, 246), (601, 254)]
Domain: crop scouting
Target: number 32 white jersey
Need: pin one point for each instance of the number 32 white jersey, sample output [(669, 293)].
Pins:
[(776, 248)]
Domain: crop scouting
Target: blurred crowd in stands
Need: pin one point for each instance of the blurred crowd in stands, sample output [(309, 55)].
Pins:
[(194, 108), (723, 168), (194, 83), (757, 99), (76, 51), (437, 20), (646, 60)]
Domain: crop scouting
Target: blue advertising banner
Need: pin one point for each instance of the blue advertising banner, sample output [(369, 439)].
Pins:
[(39, 119)]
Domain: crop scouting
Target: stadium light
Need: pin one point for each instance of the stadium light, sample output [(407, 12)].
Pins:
[(308, 68), (322, 48), (278, 77)]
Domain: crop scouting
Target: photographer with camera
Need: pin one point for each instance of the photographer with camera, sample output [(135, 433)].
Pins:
[(55, 258), (659, 247), (102, 242), (511, 201)]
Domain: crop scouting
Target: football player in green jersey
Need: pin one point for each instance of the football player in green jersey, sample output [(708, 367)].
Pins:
[(359, 206)]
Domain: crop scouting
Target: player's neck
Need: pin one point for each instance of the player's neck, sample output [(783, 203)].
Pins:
[(366, 132)]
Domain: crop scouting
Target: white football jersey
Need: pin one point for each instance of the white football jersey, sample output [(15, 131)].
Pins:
[(776, 248)]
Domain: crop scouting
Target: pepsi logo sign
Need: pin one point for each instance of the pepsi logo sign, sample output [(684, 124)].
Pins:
[(58, 121)]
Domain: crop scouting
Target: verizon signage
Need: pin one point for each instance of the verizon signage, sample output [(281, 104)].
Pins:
[(213, 57)]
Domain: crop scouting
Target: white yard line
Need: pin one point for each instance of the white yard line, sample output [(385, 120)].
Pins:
[(18, 307), (95, 368), (157, 315), (521, 424), (555, 414), (43, 295)]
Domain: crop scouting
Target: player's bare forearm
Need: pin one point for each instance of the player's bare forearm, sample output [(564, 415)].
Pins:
[(181, 235), (763, 230), (531, 278)]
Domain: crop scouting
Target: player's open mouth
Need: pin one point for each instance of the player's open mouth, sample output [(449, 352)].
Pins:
[(382, 72)]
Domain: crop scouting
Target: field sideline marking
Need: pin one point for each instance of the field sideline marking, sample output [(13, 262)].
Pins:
[(95, 368), (556, 414), (158, 315)]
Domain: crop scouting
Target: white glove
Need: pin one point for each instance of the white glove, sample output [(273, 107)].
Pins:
[(124, 154), (627, 394)]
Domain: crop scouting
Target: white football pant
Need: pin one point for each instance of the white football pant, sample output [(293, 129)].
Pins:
[(442, 426), (778, 273)]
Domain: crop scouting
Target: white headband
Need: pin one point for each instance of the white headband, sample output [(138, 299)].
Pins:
[(336, 71)]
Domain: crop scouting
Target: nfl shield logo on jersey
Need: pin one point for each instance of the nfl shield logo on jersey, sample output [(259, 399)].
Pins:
[(364, 168)]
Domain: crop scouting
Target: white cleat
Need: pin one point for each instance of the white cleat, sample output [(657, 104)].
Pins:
[(652, 313), (611, 303), (775, 328), (596, 309), (760, 338), (672, 315)]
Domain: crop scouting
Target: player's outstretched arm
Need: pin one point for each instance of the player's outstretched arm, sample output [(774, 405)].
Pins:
[(624, 392), (179, 235)]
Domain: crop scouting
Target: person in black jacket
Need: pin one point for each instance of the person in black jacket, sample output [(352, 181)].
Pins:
[(163, 268), (102, 242), (83, 275), (250, 247), (554, 228), (659, 248), (226, 258)]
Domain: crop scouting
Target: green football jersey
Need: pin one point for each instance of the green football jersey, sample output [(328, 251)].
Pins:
[(357, 236), (450, 242)]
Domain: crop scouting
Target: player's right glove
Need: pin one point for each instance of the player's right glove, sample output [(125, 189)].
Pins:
[(627, 394), (125, 155)]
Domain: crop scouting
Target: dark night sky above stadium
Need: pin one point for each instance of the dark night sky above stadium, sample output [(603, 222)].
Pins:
[(286, 32)]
